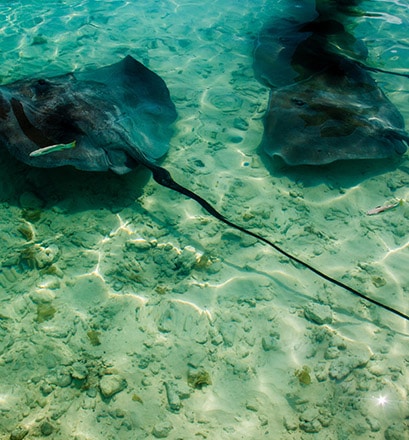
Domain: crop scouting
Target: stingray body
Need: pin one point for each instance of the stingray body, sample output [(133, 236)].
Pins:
[(324, 105), (109, 118), (332, 117)]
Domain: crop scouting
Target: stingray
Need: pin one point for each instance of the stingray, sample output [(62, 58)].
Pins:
[(106, 119), (113, 118), (324, 106), (331, 117)]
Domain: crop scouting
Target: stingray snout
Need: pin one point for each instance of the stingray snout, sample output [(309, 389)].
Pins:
[(399, 135)]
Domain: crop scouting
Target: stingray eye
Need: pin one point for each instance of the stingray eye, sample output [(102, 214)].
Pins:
[(298, 102), (41, 86)]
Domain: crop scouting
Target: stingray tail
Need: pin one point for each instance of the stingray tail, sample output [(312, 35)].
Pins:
[(378, 70), (164, 178)]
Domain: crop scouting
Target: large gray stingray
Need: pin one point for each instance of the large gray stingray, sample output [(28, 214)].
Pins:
[(110, 118), (324, 106), (327, 118)]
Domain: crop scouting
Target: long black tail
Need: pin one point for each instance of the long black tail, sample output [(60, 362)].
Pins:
[(378, 70), (163, 177)]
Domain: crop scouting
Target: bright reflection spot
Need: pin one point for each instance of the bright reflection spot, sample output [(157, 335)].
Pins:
[(140, 298), (96, 272), (381, 400), (123, 226), (195, 307)]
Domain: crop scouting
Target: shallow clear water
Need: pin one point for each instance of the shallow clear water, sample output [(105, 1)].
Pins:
[(112, 283)]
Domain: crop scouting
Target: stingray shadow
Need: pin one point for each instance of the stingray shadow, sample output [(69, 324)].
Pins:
[(333, 174), (66, 186)]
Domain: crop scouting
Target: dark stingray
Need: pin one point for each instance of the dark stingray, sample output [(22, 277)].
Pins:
[(324, 105), (324, 119), (112, 118)]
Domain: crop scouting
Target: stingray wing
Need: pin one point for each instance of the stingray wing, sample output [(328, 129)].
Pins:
[(144, 107), (113, 116)]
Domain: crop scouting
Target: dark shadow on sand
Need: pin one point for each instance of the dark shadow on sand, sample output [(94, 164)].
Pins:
[(340, 174), (83, 190)]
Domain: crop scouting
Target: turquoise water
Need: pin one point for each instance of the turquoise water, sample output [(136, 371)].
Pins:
[(127, 312)]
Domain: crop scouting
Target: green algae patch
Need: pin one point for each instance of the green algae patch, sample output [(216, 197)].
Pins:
[(303, 375), (45, 312), (93, 337)]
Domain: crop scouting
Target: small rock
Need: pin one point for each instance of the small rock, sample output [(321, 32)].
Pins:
[(318, 313), (321, 372), (166, 320), (186, 260), (18, 433), (396, 431), (309, 421), (117, 413), (111, 384), (290, 423), (331, 353), (217, 339), (325, 417), (79, 371), (313, 426), (60, 378), (138, 244), (46, 428), (252, 405), (183, 390), (339, 370), (91, 392), (42, 296), (173, 397), (240, 124), (376, 370), (263, 420), (378, 281), (46, 389), (118, 285), (309, 414), (374, 424), (162, 430), (269, 343), (29, 200), (46, 256)]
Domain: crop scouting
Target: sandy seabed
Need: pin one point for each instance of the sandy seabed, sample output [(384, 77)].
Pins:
[(128, 312)]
